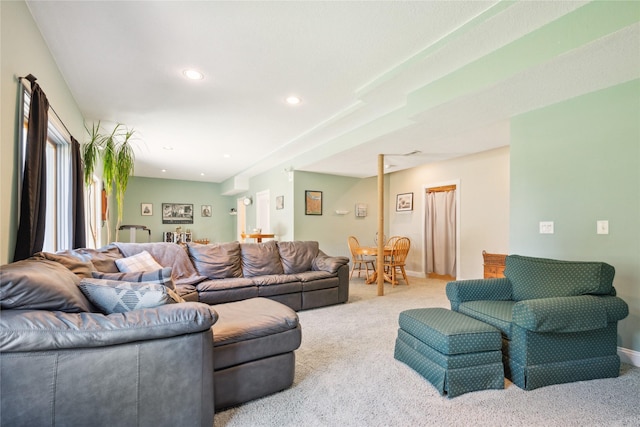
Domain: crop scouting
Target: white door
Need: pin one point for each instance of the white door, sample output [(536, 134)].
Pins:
[(263, 208)]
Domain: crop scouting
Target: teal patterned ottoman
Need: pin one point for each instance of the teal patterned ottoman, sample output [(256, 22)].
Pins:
[(455, 353)]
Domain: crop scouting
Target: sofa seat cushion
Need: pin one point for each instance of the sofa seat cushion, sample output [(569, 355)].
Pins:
[(450, 332), (533, 278), (220, 284), (496, 313), (218, 261), (297, 256), (250, 319), (40, 284), (274, 279), (259, 259)]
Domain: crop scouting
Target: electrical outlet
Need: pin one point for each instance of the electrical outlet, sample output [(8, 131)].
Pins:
[(546, 227), (602, 226)]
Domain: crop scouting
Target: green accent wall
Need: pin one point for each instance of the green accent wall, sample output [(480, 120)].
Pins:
[(339, 193), (220, 227), (574, 163)]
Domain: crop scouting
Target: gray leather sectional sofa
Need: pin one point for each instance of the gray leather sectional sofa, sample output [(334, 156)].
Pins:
[(62, 362)]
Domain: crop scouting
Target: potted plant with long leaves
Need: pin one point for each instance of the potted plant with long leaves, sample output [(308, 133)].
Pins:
[(115, 154)]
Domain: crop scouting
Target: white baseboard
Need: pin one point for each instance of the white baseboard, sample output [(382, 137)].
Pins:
[(631, 357)]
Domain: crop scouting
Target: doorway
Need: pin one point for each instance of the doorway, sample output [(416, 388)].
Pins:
[(442, 230), (263, 208)]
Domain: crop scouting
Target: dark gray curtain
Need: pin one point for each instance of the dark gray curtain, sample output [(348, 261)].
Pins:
[(33, 197), (77, 197)]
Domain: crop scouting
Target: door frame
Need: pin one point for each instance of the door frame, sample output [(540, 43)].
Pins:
[(455, 182)]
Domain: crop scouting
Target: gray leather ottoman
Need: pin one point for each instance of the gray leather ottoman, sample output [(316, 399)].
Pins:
[(455, 353), (253, 345)]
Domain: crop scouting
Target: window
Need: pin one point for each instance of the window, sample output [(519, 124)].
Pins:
[(58, 227)]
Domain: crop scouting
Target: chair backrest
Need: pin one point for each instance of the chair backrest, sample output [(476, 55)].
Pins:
[(353, 243), (400, 250), (392, 240), (375, 239)]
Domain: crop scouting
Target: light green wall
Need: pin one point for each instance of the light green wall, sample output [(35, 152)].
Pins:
[(24, 52), (483, 186), (217, 228), (330, 229), (575, 163), (277, 182)]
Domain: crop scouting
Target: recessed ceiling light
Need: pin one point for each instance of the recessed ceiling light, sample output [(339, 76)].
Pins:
[(201, 173), (164, 170), (193, 74), (293, 100), (226, 156)]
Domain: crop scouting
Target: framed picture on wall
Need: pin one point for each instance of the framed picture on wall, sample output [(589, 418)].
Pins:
[(404, 202), (312, 202), (177, 213), (146, 209), (205, 211)]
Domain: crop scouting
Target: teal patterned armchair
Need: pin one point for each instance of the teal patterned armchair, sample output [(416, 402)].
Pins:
[(558, 319)]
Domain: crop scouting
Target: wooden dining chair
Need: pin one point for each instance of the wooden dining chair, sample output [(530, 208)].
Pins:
[(396, 262), (358, 259)]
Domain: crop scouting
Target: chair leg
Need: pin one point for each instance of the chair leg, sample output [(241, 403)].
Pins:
[(404, 274)]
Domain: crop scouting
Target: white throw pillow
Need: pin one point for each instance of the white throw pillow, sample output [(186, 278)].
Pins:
[(138, 262)]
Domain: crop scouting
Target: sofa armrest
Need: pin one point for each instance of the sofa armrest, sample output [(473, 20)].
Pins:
[(39, 330), (327, 263), (569, 314), (459, 291)]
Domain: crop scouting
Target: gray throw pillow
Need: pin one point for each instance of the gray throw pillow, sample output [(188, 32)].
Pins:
[(158, 277), (112, 296), (40, 284)]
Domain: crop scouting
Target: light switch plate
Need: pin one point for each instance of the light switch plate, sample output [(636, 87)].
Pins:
[(546, 227), (602, 226)]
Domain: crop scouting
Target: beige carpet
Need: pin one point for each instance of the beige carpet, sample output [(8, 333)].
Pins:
[(346, 376)]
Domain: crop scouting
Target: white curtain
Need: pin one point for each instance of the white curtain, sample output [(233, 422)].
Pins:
[(441, 233)]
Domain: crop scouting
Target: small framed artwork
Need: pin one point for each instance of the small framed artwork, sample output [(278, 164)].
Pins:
[(177, 213), (312, 202), (146, 209), (279, 202), (361, 209), (205, 211), (404, 202)]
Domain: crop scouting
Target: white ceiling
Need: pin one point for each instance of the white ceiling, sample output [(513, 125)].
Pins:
[(355, 64)]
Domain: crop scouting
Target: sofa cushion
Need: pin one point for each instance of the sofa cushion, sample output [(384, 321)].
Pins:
[(40, 284), (142, 261), (79, 265), (103, 259), (158, 277), (217, 261), (297, 256), (114, 296), (259, 259), (250, 319), (533, 278), (168, 255)]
